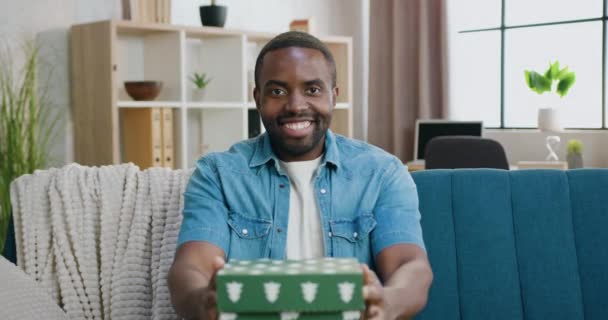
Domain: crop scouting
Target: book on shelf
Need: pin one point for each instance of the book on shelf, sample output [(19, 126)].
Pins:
[(147, 134)]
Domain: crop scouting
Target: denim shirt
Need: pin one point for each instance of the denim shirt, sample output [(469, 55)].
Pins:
[(238, 200)]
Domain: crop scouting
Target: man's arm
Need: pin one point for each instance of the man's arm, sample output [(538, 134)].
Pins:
[(407, 276), (192, 279)]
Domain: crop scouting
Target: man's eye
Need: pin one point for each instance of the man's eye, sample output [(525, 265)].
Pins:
[(314, 90), (277, 92)]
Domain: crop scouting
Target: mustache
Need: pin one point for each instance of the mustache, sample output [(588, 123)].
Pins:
[(297, 115)]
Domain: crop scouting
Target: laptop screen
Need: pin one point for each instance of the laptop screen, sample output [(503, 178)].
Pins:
[(429, 129)]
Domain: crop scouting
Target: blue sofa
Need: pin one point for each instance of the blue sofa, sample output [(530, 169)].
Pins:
[(529, 244)]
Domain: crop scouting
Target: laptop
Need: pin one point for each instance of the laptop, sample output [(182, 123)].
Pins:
[(429, 129)]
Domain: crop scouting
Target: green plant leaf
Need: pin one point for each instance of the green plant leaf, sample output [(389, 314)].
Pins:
[(565, 84), (575, 146), (537, 82), (553, 71), (562, 73)]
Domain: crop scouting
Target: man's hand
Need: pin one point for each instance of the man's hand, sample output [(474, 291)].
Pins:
[(191, 280), (209, 294), (373, 294)]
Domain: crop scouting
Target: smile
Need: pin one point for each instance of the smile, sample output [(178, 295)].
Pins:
[(296, 126)]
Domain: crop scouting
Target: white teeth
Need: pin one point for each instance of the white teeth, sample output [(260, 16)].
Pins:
[(298, 125)]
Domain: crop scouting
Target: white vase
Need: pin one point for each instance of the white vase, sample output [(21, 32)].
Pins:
[(549, 120), (198, 95)]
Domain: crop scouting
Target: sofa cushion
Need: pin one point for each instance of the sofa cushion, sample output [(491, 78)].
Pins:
[(527, 244)]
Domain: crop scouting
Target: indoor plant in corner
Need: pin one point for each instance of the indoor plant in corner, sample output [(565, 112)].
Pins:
[(26, 125)]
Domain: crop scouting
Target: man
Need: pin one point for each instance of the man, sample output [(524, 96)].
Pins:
[(299, 191)]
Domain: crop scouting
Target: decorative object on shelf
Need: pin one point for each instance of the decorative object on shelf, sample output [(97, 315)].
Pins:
[(213, 15), (143, 90), (549, 120), (303, 25), (200, 81), (575, 154), (147, 11), (27, 124)]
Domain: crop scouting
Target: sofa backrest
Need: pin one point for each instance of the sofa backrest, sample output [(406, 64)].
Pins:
[(529, 244)]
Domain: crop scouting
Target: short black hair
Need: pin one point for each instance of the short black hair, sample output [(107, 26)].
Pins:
[(295, 39)]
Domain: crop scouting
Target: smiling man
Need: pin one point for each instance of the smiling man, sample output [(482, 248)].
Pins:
[(300, 191)]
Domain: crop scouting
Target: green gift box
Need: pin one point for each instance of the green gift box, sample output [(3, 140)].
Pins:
[(326, 288)]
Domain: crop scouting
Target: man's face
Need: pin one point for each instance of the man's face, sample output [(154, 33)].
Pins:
[(295, 100)]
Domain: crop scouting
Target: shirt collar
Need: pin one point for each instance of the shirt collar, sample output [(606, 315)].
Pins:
[(263, 151)]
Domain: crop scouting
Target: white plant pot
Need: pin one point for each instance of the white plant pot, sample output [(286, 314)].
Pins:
[(198, 95), (549, 120)]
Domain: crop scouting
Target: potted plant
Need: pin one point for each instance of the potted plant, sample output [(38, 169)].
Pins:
[(26, 126), (200, 81), (213, 15), (575, 154), (553, 80)]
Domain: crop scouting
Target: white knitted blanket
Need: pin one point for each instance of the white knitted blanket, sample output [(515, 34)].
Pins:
[(101, 239)]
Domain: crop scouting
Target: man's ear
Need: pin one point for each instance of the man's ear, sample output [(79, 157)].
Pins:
[(335, 92), (256, 97)]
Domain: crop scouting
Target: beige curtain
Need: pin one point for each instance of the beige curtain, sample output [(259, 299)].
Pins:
[(408, 70)]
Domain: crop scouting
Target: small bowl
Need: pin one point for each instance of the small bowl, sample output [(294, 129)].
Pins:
[(143, 90)]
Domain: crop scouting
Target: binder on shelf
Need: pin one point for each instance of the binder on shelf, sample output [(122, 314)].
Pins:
[(142, 136), (167, 134)]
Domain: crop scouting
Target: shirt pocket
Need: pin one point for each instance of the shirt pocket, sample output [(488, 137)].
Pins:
[(248, 236), (351, 237)]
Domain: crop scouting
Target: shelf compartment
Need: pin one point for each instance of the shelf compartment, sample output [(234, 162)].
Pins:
[(221, 58), (214, 130), (149, 56)]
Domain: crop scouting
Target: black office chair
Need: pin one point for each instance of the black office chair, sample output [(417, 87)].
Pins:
[(454, 152)]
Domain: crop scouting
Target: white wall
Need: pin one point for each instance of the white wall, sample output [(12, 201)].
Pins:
[(48, 22)]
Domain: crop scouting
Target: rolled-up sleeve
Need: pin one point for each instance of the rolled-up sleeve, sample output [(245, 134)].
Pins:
[(396, 211), (205, 214)]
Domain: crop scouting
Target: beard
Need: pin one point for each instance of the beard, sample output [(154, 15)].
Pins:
[(300, 146)]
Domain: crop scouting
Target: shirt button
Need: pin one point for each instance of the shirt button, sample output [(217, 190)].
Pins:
[(279, 230), (330, 234), (245, 231), (323, 191), (281, 186), (355, 235)]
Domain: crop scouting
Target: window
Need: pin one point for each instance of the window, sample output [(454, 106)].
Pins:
[(492, 42)]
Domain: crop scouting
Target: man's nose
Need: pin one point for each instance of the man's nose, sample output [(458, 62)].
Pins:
[(297, 102)]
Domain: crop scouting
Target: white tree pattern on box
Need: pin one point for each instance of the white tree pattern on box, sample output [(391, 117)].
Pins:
[(271, 290), (309, 291), (234, 291), (289, 315), (228, 316), (346, 291), (351, 315)]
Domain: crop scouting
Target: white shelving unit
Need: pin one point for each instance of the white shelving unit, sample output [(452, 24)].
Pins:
[(106, 54)]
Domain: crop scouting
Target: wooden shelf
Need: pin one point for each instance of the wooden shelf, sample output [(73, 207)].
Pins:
[(216, 105), (105, 54), (149, 104)]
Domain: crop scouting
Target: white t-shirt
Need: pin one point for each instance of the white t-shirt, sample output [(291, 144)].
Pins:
[(304, 232)]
